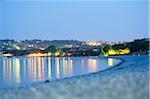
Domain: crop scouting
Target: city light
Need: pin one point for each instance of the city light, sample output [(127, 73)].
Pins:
[(49, 54), (93, 43), (57, 53), (7, 55), (124, 51), (118, 52), (112, 52), (35, 54)]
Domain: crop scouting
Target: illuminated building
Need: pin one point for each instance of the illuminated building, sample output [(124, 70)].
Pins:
[(93, 43)]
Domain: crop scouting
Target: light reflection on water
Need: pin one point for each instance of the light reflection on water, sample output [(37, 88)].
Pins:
[(23, 71), (110, 61)]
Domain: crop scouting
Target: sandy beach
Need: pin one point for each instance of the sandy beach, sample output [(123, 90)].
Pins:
[(129, 80)]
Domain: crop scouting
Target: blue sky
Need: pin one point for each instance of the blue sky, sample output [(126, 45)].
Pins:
[(109, 20)]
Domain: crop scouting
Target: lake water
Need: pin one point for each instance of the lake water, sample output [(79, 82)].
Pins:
[(25, 71)]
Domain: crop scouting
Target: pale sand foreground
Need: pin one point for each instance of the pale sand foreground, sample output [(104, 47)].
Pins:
[(130, 80)]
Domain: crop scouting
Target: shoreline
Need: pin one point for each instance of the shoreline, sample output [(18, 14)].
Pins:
[(133, 70)]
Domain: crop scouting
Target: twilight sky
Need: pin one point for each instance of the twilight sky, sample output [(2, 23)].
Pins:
[(107, 20)]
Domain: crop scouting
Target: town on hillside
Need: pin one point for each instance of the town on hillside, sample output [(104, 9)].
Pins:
[(38, 47)]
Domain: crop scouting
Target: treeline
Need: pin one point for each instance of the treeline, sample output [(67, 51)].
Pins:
[(137, 46)]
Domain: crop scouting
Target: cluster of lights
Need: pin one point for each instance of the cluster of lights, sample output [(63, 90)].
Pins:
[(93, 43), (7, 55), (43, 54), (36, 54), (66, 54), (58, 53), (118, 52)]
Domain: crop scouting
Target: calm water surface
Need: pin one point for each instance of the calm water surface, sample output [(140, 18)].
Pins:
[(24, 71)]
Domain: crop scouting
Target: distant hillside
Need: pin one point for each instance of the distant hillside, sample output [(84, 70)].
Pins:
[(35, 44)]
